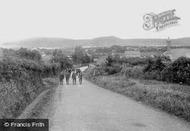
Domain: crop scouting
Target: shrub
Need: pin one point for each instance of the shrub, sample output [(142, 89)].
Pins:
[(115, 68), (28, 54), (154, 68), (60, 59), (154, 65), (21, 80), (178, 71), (134, 72), (80, 56)]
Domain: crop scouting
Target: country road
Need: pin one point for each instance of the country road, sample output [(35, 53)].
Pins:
[(88, 107)]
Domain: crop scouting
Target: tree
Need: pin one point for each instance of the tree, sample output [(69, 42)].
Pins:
[(80, 56), (29, 54), (178, 71), (109, 61), (155, 64), (59, 57)]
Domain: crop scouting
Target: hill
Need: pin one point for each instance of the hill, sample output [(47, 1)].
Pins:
[(45, 43), (96, 42)]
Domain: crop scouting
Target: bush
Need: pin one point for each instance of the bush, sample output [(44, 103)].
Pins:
[(28, 54), (133, 72), (115, 68), (60, 59), (21, 80), (135, 61), (154, 68), (80, 56), (178, 71), (154, 65)]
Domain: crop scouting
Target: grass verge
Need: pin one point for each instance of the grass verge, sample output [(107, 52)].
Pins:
[(38, 108), (172, 98)]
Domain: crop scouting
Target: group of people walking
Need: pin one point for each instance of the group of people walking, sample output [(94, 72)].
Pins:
[(70, 73)]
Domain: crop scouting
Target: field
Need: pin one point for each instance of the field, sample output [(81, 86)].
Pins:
[(176, 53)]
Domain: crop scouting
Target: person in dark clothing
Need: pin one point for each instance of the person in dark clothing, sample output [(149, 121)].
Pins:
[(61, 77), (78, 71), (74, 78), (67, 75), (80, 77)]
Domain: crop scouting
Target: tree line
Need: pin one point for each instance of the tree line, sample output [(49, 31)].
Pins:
[(158, 68)]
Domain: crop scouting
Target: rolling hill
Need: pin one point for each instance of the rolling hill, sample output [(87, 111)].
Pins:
[(96, 42)]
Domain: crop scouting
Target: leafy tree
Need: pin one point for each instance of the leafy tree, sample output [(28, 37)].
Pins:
[(29, 54), (59, 57), (154, 65), (178, 71), (80, 56), (154, 68), (109, 61)]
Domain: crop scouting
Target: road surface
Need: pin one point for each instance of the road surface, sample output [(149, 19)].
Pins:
[(88, 107)]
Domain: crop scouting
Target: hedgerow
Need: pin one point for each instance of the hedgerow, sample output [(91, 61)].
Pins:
[(21, 80)]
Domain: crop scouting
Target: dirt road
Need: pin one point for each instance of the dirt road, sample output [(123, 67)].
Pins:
[(88, 107)]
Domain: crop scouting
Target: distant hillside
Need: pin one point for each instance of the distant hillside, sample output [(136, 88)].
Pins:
[(98, 42), (181, 41), (46, 43)]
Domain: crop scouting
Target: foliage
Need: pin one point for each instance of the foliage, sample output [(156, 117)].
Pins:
[(172, 98), (80, 56), (178, 71), (28, 54), (59, 58), (133, 72), (21, 74), (109, 61), (158, 68), (115, 68)]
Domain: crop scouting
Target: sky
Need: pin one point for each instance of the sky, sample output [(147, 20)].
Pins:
[(84, 19)]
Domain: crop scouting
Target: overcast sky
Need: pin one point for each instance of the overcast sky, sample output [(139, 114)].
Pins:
[(80, 19)]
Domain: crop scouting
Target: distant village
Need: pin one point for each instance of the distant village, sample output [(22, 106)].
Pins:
[(173, 52), (97, 53)]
